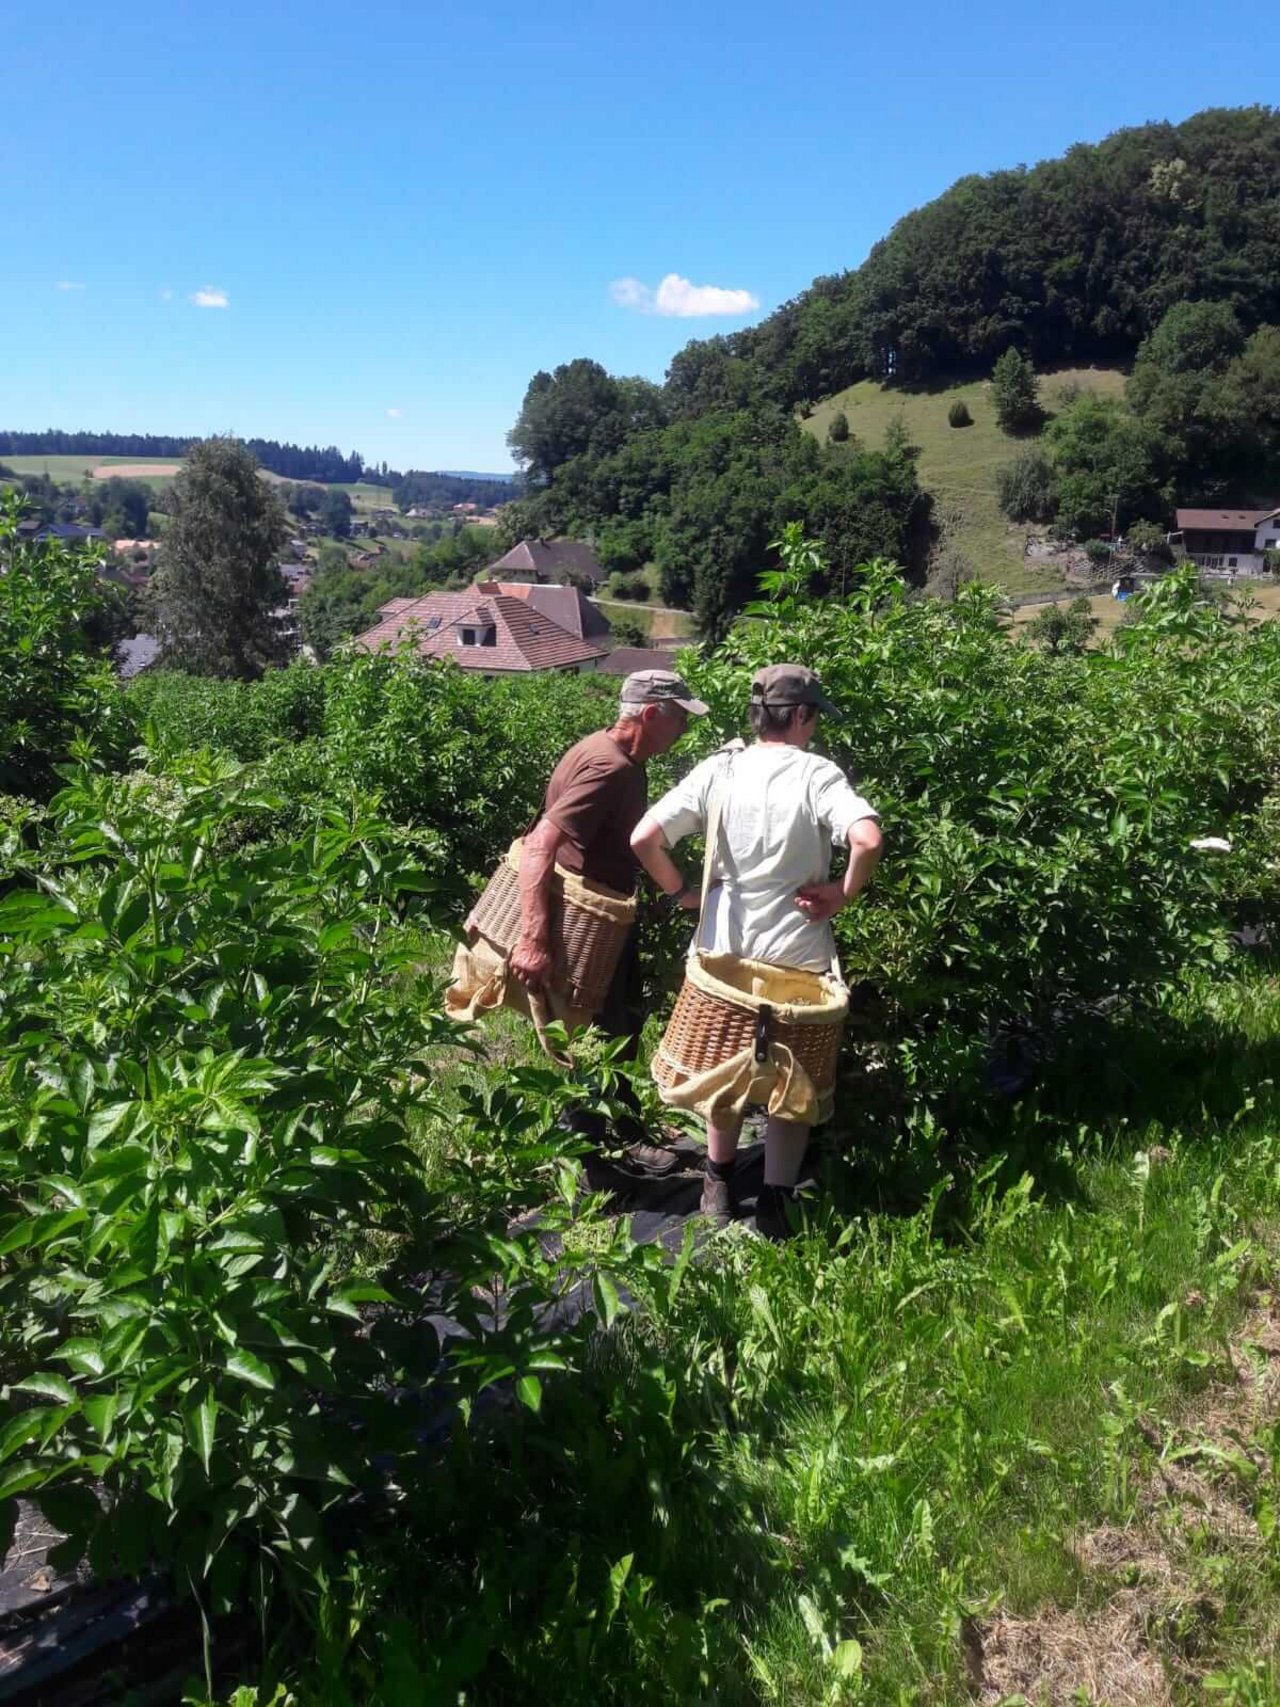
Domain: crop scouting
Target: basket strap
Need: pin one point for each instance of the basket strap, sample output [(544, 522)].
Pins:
[(715, 812)]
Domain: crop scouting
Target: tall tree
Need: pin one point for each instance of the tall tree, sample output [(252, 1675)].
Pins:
[(579, 410), (335, 513), (1107, 467), (1013, 387), (218, 584)]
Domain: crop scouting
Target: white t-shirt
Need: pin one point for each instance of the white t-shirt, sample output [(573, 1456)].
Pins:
[(783, 809)]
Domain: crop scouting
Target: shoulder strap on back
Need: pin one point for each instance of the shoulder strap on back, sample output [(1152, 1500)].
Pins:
[(715, 811)]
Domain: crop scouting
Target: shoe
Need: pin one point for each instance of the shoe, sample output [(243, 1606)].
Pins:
[(777, 1215), (717, 1200), (649, 1159)]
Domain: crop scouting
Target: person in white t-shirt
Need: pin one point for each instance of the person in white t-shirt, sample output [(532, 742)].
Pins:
[(783, 809)]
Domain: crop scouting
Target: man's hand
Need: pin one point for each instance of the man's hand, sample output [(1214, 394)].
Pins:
[(821, 901), (531, 963), (690, 900)]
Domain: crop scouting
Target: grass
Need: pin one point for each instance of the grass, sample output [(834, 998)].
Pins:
[(958, 464), (1016, 1441), (364, 497)]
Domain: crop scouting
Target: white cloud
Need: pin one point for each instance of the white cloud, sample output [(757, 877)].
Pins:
[(211, 297), (677, 298), (630, 293), (166, 295), (394, 414), (67, 284)]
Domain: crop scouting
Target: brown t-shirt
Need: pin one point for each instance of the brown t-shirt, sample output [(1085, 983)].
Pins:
[(597, 796)]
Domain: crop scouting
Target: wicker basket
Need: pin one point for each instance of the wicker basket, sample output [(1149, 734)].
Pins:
[(589, 928), (748, 1012)]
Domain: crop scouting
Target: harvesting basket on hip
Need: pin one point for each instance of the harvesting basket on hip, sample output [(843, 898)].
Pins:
[(748, 1031), (589, 926)]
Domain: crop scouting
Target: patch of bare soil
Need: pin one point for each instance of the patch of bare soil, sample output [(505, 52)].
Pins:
[(1062, 1657), (1200, 1485)]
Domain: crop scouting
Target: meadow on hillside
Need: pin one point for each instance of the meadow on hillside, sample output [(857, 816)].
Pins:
[(958, 464)]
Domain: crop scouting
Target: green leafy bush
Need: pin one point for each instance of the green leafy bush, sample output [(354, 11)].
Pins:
[(1099, 552), (958, 414), (244, 720), (1038, 811), (1061, 629), (629, 587), (1147, 540), (213, 1068), (1026, 488), (838, 431), (54, 679), (447, 750)]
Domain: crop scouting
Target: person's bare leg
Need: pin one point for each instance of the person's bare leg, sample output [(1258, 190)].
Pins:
[(785, 1142), (722, 1152), (722, 1138)]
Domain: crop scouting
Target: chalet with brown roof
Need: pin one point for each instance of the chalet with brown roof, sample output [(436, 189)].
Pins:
[(565, 560), (1229, 539), (564, 606), (482, 629)]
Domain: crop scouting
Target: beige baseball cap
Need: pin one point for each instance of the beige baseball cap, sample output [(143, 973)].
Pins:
[(660, 687), (790, 684)]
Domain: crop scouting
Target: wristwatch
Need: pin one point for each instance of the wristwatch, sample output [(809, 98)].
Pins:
[(684, 889)]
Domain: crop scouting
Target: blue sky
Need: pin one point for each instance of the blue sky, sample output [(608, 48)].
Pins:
[(408, 209)]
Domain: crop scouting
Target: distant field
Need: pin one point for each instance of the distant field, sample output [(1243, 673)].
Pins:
[(365, 497), (91, 466), (958, 464), (1110, 612)]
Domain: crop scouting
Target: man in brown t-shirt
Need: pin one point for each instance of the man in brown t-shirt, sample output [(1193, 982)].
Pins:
[(596, 797)]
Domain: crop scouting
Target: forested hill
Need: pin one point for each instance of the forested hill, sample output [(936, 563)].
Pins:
[(1072, 260)]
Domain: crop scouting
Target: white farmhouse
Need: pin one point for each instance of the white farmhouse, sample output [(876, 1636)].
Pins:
[(1230, 539)]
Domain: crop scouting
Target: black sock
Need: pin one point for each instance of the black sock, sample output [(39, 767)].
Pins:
[(721, 1170)]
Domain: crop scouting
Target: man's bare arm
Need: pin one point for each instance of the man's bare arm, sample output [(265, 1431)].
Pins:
[(531, 957), (649, 844)]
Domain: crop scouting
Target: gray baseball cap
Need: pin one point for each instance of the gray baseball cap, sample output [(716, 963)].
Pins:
[(660, 687), (790, 684)]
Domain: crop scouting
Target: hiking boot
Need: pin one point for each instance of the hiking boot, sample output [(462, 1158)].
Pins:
[(648, 1159), (777, 1213), (717, 1200)]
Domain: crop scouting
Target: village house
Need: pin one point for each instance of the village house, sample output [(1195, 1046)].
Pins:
[(568, 560), (495, 629), (1229, 539), (565, 606)]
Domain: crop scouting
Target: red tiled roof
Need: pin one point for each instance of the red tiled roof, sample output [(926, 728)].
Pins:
[(563, 605), (393, 606), (1225, 521), (551, 559), (524, 639)]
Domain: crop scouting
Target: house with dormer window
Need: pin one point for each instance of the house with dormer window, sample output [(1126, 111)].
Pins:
[(490, 630)]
